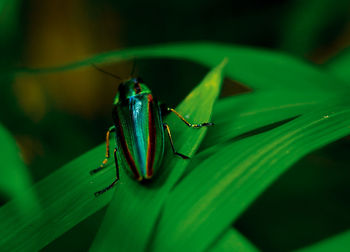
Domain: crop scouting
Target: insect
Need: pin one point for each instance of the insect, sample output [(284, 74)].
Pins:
[(140, 129)]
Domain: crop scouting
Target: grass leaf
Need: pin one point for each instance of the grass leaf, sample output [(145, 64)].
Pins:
[(66, 198), (67, 195), (240, 115), (123, 216), (340, 65), (339, 243), (307, 22), (214, 194), (9, 20), (15, 179), (257, 137), (259, 69), (233, 240)]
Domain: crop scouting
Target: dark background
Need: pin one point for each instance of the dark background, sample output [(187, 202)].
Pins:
[(55, 118)]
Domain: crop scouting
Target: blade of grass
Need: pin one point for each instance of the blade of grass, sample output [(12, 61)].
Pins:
[(247, 58), (233, 240), (236, 112), (66, 196), (124, 225), (306, 22), (60, 203), (240, 114), (74, 183), (260, 69), (207, 201), (340, 65), (15, 179), (9, 21), (339, 243)]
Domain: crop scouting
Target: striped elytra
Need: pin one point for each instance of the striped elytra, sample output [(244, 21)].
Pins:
[(139, 129), (139, 132)]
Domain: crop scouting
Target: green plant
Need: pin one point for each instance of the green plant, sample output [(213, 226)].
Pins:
[(294, 109)]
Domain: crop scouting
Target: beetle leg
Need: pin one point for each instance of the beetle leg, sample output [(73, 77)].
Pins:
[(166, 126), (111, 129), (115, 181), (199, 125)]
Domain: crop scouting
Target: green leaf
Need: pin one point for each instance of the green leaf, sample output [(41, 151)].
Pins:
[(306, 22), (340, 65), (15, 179), (221, 187), (284, 88), (138, 206), (259, 69), (339, 243), (240, 115), (66, 198), (9, 19), (232, 240), (67, 195)]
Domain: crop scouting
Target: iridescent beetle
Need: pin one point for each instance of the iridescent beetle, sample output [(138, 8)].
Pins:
[(139, 126)]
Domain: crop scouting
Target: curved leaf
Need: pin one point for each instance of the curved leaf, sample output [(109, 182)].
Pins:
[(124, 224), (15, 179), (9, 16), (340, 65), (239, 115), (306, 22), (207, 201), (233, 241), (67, 195), (339, 243), (259, 69)]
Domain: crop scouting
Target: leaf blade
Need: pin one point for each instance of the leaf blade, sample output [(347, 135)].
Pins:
[(130, 196), (232, 240), (65, 203), (340, 243), (339, 66), (259, 69), (15, 179), (215, 197)]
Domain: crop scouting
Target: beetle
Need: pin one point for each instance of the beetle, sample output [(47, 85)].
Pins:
[(140, 129)]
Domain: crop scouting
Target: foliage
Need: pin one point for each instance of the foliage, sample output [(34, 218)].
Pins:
[(295, 108)]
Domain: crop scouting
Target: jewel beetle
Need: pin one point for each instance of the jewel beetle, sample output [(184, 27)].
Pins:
[(140, 130)]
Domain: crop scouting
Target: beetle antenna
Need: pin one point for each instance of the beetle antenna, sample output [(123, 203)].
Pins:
[(108, 73)]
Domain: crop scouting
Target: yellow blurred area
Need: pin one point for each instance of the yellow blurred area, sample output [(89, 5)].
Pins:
[(30, 148), (60, 32), (31, 98)]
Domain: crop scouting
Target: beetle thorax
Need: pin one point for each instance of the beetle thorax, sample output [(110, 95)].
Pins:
[(131, 88)]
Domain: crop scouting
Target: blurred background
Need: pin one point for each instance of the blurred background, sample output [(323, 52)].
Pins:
[(55, 118)]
